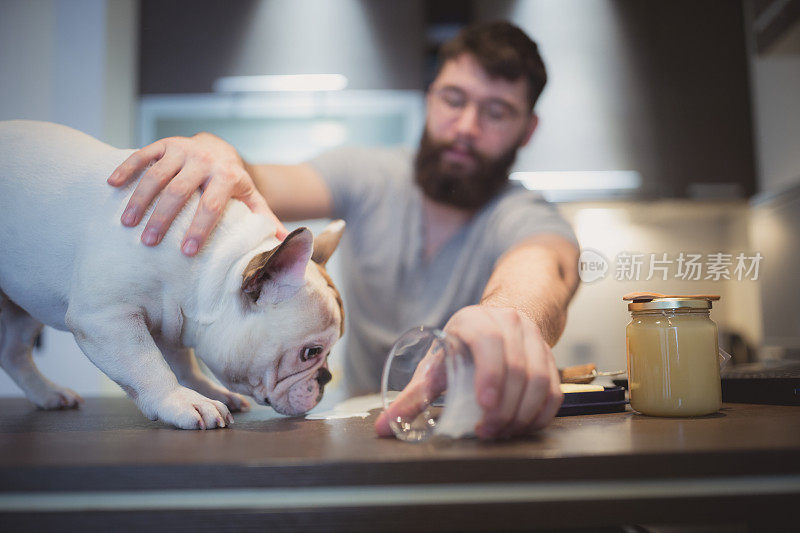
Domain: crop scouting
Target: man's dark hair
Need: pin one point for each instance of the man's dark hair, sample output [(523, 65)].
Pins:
[(503, 50)]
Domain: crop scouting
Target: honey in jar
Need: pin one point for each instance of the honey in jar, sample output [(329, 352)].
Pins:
[(673, 367)]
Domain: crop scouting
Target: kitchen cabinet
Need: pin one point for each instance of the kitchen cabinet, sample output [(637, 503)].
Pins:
[(659, 88)]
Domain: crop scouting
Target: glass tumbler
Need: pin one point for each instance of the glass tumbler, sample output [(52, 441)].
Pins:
[(432, 374)]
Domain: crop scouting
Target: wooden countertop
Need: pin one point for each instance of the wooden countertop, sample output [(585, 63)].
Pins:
[(740, 463), (74, 450)]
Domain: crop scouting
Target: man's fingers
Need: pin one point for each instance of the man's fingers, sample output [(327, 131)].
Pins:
[(497, 421), (212, 205), (201, 161), (428, 382), (490, 367), (408, 404), (136, 163), (152, 183), (554, 399), (548, 412), (255, 202), (170, 202), (282, 231), (258, 204), (538, 386)]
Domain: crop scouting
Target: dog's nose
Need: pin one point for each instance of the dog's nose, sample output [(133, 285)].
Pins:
[(266, 401), (323, 376)]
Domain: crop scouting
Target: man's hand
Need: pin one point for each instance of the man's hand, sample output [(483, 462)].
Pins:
[(516, 379), (181, 165)]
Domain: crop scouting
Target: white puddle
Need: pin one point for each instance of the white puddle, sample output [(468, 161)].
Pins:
[(360, 406)]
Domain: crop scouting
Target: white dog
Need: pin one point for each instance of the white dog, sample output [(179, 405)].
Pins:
[(263, 315)]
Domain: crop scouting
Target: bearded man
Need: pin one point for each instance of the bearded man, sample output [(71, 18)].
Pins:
[(439, 237)]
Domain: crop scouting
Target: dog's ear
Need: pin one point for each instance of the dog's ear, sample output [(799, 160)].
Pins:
[(276, 275), (325, 243)]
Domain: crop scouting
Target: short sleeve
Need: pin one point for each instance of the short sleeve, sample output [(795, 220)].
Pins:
[(521, 214), (356, 177)]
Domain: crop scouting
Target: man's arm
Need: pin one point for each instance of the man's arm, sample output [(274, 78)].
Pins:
[(538, 277), (294, 192), (524, 307), (509, 334)]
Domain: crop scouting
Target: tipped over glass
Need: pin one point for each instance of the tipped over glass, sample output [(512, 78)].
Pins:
[(428, 386)]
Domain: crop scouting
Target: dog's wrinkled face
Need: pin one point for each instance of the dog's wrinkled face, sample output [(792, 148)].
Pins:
[(290, 317)]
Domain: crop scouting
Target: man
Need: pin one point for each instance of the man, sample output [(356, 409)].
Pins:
[(439, 238)]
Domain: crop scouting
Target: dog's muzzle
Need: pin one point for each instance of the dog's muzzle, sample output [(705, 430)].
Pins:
[(323, 377)]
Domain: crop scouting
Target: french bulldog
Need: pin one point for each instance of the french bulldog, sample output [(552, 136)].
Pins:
[(262, 314)]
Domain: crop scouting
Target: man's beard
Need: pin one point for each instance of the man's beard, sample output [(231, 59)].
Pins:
[(449, 183)]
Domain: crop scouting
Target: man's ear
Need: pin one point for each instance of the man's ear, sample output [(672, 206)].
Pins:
[(276, 275), (325, 243), (533, 121)]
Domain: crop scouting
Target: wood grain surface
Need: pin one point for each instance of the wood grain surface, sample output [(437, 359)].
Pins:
[(108, 444)]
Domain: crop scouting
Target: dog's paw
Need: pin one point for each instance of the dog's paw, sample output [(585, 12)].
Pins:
[(206, 387), (234, 402), (57, 398), (187, 409)]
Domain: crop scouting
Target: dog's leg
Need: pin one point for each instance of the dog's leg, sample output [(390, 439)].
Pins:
[(18, 331), (121, 346), (183, 363)]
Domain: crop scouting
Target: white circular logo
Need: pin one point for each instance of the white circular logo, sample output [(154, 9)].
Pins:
[(592, 265)]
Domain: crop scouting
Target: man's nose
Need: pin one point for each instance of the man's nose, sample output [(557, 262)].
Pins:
[(323, 376), (468, 123)]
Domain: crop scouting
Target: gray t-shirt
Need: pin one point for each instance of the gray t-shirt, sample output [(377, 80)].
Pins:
[(388, 287)]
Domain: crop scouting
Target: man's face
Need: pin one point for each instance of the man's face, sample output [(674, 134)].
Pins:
[(475, 125)]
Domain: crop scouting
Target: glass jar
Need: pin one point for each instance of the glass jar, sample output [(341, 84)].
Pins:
[(673, 366)]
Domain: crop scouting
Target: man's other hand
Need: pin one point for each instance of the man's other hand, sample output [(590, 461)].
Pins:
[(516, 380), (180, 166)]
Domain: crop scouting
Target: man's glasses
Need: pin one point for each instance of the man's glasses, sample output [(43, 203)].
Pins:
[(492, 113)]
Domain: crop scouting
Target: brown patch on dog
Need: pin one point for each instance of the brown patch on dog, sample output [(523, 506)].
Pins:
[(256, 271), (335, 293), (252, 277)]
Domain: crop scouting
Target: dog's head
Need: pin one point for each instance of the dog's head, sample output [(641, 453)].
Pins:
[(289, 316)]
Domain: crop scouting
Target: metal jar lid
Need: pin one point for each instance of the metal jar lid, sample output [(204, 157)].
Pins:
[(670, 303)]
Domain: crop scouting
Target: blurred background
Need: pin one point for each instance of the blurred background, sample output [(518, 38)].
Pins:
[(667, 127)]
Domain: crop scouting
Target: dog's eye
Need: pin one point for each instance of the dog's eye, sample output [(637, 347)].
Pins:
[(311, 352)]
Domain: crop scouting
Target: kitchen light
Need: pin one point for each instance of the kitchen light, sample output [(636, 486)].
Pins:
[(579, 180), (280, 83)]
